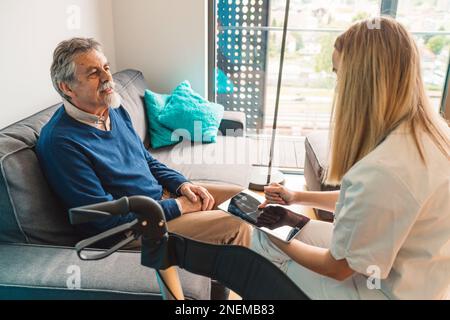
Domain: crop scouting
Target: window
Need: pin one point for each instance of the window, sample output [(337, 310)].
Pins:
[(429, 21), (241, 57), (248, 39)]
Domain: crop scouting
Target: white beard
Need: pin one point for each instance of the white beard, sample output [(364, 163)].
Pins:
[(113, 100)]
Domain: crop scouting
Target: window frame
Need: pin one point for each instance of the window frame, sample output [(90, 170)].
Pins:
[(445, 104), (387, 7), (212, 50)]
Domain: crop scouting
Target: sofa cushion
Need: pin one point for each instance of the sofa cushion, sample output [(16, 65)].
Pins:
[(186, 110), (44, 272), (30, 212), (38, 211), (225, 161), (160, 136)]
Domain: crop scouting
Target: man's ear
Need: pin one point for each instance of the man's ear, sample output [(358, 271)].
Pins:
[(66, 89)]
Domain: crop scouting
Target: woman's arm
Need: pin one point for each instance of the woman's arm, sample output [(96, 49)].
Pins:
[(324, 200), (278, 194), (316, 259)]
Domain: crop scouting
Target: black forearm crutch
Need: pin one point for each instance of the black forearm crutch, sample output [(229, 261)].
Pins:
[(238, 268)]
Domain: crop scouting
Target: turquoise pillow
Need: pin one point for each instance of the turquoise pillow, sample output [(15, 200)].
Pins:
[(160, 136), (188, 111)]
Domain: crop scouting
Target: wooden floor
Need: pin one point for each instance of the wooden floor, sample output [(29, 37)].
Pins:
[(289, 152)]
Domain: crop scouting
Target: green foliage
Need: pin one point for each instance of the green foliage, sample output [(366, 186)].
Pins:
[(360, 16), (323, 59), (437, 43), (274, 23), (299, 44)]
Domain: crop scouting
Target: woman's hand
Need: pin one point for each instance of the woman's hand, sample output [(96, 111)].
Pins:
[(277, 194), (274, 217)]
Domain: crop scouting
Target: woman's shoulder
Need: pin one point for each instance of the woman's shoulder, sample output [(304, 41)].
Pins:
[(396, 165), (374, 171)]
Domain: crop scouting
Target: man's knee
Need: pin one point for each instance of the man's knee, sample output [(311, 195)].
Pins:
[(222, 192), (242, 232)]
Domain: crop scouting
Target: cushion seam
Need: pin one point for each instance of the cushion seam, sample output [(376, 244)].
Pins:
[(86, 290), (130, 81)]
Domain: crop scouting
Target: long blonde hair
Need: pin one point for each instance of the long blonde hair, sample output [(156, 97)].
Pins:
[(379, 87)]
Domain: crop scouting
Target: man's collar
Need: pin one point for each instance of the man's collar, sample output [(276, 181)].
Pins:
[(90, 119)]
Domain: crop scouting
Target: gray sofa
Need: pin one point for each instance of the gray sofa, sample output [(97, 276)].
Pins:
[(316, 164), (37, 258)]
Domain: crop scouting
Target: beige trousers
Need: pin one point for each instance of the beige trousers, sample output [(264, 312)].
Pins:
[(214, 226)]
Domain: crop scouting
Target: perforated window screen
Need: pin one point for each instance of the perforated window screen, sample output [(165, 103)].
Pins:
[(241, 47)]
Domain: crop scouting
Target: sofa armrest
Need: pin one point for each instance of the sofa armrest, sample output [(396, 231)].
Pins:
[(233, 124), (44, 272)]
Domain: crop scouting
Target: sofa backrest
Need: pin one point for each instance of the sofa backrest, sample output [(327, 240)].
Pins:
[(29, 210), (131, 85)]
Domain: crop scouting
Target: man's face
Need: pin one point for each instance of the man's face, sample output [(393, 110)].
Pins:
[(92, 90)]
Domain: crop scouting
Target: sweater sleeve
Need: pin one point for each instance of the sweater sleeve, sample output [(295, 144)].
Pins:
[(168, 178), (170, 207)]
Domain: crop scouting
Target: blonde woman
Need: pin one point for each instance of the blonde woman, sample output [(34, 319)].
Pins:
[(390, 153)]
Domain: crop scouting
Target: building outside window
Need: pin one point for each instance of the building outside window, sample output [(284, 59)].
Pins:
[(246, 61)]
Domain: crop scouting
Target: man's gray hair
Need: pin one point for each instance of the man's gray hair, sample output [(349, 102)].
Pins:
[(63, 65)]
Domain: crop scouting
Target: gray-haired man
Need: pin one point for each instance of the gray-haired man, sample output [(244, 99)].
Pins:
[(90, 153)]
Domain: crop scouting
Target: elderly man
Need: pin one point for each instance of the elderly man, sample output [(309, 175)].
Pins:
[(90, 153)]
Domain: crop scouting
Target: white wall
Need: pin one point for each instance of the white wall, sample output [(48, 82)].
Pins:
[(29, 32), (165, 39)]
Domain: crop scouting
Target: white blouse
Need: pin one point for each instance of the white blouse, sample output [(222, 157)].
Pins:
[(393, 216)]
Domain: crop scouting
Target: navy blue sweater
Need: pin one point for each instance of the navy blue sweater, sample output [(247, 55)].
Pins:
[(85, 165)]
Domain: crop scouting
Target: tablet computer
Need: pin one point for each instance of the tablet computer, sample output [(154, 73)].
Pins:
[(275, 220)]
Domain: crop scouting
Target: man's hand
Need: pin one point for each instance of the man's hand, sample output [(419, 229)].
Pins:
[(187, 206), (197, 193)]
